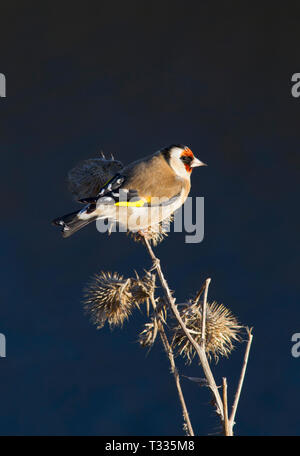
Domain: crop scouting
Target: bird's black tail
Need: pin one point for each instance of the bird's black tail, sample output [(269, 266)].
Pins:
[(70, 223)]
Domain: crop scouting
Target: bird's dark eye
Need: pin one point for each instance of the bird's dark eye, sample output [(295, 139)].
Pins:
[(187, 160)]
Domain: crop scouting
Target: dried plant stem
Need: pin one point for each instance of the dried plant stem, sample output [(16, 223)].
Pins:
[(198, 295), (200, 350), (169, 352), (241, 380), (207, 282), (226, 427)]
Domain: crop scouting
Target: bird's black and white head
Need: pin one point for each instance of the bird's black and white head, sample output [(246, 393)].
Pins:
[(181, 159)]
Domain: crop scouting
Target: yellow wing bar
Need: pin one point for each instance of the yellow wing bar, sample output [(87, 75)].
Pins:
[(139, 203)]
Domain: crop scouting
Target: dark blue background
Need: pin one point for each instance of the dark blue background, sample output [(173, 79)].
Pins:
[(129, 78)]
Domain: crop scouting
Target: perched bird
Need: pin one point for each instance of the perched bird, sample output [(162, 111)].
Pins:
[(137, 196)]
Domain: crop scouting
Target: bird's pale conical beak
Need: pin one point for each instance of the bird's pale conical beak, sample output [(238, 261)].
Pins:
[(197, 162)]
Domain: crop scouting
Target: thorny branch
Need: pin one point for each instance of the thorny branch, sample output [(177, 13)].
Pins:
[(207, 282), (199, 349), (169, 352), (221, 404), (240, 384), (226, 426)]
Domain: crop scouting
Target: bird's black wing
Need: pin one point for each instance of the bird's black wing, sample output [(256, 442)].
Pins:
[(112, 186)]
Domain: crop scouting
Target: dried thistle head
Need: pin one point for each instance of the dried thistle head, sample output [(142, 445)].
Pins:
[(142, 288), (111, 297), (148, 335), (155, 233), (221, 330), (88, 176)]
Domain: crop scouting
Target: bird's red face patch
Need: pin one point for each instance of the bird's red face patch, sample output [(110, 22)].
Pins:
[(187, 157)]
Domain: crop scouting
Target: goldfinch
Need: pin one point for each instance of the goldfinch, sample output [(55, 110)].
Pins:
[(137, 196)]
